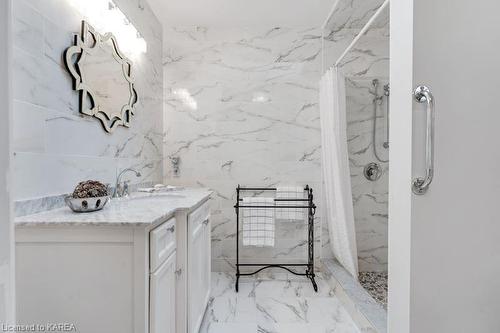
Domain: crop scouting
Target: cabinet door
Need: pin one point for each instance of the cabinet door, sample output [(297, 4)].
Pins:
[(162, 297), (199, 273), (207, 263), (196, 262)]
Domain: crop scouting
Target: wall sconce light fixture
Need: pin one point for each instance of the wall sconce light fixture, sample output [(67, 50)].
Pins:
[(105, 16)]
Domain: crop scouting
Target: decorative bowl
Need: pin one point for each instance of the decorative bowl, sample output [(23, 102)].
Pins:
[(86, 205)]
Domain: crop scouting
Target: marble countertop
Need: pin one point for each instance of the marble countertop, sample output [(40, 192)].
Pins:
[(140, 209)]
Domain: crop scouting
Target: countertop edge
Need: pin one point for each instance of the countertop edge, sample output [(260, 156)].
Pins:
[(24, 223)]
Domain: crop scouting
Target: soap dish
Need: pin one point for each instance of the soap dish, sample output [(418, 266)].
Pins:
[(86, 205)]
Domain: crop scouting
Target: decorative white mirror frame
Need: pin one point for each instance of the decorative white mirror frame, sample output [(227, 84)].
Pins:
[(85, 45)]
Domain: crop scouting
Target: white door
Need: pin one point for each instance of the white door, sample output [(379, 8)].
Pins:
[(6, 233), (162, 298), (444, 262)]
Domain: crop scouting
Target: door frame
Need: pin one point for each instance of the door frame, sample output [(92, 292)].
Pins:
[(400, 155), (7, 269)]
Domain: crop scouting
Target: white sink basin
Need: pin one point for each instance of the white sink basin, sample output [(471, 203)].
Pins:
[(153, 196)]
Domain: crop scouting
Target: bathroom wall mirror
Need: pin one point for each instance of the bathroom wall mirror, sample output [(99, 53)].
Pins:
[(103, 76)]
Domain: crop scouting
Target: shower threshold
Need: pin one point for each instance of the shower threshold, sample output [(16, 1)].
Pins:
[(368, 314)]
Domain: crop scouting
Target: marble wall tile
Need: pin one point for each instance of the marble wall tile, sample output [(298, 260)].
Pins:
[(28, 127), (369, 59), (353, 14), (55, 147), (241, 107), (370, 199), (28, 28), (34, 175)]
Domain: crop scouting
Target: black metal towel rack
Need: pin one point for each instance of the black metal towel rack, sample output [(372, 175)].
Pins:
[(311, 208)]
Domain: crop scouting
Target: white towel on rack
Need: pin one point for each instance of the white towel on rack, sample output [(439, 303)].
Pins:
[(258, 223), (290, 192)]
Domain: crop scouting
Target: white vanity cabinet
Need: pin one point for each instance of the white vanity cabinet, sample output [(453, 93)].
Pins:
[(199, 266), (105, 275)]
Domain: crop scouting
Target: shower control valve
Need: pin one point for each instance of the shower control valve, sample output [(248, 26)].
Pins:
[(372, 171)]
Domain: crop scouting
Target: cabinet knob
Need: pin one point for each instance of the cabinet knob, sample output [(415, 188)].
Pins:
[(171, 229), (178, 272), (205, 222)]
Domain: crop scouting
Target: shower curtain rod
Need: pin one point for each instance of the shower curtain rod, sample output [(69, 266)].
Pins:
[(330, 14), (362, 32)]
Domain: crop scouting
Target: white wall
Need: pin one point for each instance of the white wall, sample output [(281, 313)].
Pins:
[(6, 229), (400, 155), (54, 146)]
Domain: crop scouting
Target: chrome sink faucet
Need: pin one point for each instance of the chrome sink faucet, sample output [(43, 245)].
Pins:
[(122, 190)]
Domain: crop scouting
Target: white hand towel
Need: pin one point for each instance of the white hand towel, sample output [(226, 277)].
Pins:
[(290, 192), (258, 223)]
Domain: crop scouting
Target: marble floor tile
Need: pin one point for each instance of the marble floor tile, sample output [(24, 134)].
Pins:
[(275, 303), (223, 284), (291, 328), (292, 288), (281, 310), (330, 312), (232, 309), (228, 328), (303, 328)]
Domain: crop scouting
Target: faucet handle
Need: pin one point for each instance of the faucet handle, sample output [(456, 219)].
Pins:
[(109, 190)]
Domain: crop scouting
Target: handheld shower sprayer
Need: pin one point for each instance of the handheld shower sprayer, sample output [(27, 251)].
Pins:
[(386, 94)]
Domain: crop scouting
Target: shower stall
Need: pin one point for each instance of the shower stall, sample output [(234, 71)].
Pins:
[(356, 46)]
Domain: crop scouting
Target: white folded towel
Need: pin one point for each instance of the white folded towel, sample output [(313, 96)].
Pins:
[(258, 223), (290, 192)]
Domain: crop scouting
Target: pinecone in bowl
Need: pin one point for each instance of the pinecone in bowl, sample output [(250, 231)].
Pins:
[(90, 189), (88, 196)]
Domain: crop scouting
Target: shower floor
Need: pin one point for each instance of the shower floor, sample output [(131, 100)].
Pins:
[(376, 285)]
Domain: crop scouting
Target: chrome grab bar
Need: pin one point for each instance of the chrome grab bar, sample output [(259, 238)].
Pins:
[(420, 185)]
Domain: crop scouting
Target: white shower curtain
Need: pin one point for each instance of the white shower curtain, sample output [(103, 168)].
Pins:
[(336, 176)]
